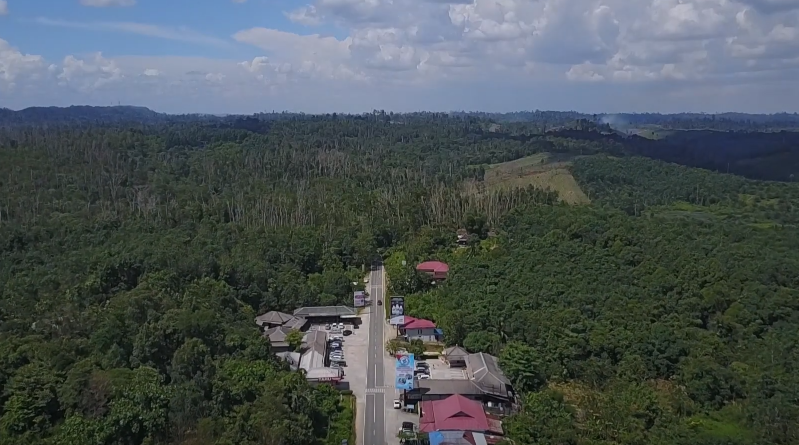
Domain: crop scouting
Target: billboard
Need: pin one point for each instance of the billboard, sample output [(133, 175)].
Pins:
[(360, 299), (397, 315), (403, 371)]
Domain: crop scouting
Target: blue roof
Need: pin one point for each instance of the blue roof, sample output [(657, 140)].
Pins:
[(435, 438)]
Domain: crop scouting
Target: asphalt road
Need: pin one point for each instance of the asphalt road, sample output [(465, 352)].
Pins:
[(375, 419)]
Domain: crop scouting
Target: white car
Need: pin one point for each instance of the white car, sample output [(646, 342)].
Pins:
[(422, 376), (341, 326), (397, 404)]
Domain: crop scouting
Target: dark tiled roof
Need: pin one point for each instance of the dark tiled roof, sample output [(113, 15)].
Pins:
[(273, 318), (324, 311), (484, 369), (455, 352)]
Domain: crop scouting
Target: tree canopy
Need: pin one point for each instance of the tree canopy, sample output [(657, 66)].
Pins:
[(135, 256)]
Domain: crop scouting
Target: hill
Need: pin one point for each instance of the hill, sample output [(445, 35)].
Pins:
[(79, 115)]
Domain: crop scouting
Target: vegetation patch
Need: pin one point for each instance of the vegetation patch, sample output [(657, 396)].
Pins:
[(542, 170), (342, 425)]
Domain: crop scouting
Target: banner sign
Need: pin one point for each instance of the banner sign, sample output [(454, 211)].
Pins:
[(360, 299), (397, 315), (403, 369)]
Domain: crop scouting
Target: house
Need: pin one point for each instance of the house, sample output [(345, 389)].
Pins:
[(277, 337), (456, 413), (435, 269), (484, 382), (419, 329), (328, 314), (314, 344), (292, 358), (272, 319), (463, 238), (455, 356), (484, 370)]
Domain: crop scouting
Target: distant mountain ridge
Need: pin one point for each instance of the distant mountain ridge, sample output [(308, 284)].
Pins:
[(79, 114)]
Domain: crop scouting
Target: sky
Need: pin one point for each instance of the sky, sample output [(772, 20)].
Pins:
[(246, 56)]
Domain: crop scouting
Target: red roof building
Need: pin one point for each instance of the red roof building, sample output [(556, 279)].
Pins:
[(437, 269), (418, 323), (455, 413)]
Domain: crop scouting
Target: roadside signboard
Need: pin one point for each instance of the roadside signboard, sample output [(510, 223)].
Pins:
[(403, 369), (359, 299), (397, 315)]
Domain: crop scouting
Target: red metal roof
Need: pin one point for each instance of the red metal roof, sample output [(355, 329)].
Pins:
[(453, 413), (418, 323), (433, 266)]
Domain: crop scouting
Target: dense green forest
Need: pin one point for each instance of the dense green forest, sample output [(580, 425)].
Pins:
[(134, 256), (665, 313)]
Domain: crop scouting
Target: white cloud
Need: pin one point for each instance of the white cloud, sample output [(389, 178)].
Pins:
[(481, 53), (182, 34), (15, 65), (89, 74), (3, 7), (107, 3)]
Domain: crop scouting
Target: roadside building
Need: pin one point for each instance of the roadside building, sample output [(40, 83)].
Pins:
[(435, 269), (272, 319), (331, 376), (314, 347), (456, 413), (484, 382), (484, 370), (455, 356), (292, 358), (419, 329), (327, 314), (277, 338)]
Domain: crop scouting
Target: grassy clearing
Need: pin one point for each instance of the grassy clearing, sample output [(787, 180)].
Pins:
[(543, 170)]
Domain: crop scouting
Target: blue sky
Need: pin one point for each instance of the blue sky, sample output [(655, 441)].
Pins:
[(357, 55)]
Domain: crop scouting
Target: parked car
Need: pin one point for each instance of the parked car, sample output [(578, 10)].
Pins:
[(422, 376), (407, 427), (341, 326), (397, 404), (379, 302), (337, 338), (335, 345), (347, 332), (327, 326)]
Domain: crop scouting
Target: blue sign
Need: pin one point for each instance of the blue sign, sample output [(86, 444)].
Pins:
[(403, 370)]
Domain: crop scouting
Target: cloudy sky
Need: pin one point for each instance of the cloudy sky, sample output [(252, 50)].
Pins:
[(243, 56)]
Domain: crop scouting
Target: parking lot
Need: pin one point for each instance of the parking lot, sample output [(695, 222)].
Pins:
[(355, 348), (440, 371)]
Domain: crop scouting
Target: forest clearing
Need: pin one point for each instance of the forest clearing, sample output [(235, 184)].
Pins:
[(542, 170)]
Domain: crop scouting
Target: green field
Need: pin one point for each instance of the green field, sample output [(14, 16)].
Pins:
[(543, 170)]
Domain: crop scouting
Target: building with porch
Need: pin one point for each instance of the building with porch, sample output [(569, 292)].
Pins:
[(419, 329), (456, 413)]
